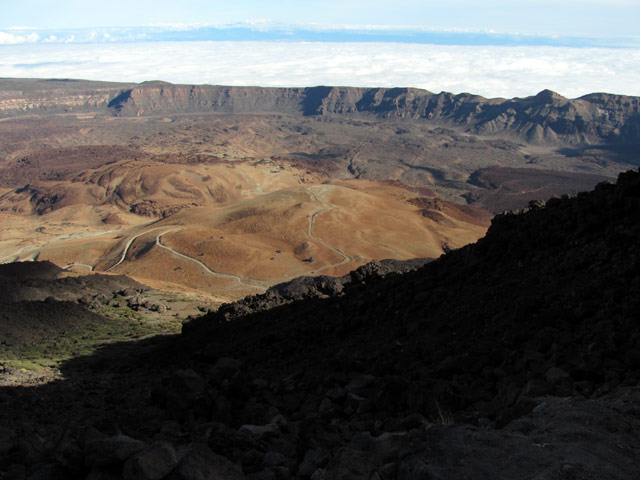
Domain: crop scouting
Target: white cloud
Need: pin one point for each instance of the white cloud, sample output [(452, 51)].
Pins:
[(12, 39), (316, 32), (488, 70)]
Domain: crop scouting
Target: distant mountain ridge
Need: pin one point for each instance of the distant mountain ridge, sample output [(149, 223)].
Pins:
[(544, 119)]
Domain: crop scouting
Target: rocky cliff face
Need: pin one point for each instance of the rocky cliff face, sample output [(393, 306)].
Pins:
[(545, 119), (166, 99), (29, 96)]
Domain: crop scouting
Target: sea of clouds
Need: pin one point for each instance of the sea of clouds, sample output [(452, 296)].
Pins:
[(491, 71)]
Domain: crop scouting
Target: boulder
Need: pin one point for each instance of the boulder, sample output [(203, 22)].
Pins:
[(106, 451), (259, 430), (312, 461), (198, 462), (153, 463)]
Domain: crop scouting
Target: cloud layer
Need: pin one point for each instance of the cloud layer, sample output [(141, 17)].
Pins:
[(492, 71), (269, 31)]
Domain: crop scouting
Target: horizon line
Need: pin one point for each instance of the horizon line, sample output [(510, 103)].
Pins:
[(316, 33)]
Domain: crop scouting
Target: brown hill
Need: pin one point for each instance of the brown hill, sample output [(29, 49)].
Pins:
[(318, 229)]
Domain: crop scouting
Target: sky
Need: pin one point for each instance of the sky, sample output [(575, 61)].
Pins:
[(555, 17), (493, 48)]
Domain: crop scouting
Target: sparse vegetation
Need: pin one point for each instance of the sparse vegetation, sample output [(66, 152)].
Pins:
[(120, 324)]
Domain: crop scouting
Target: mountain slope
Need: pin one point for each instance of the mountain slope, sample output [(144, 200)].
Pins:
[(551, 287), (514, 357)]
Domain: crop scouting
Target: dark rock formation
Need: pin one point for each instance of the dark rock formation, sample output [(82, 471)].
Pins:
[(306, 288), (37, 281)]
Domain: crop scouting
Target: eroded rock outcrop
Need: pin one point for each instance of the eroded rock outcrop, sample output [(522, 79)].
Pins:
[(546, 118)]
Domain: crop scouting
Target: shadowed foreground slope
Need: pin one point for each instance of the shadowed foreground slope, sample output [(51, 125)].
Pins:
[(515, 357)]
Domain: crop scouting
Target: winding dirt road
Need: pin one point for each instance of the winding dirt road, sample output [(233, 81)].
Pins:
[(346, 258), (315, 192), (125, 250), (247, 282), (73, 264)]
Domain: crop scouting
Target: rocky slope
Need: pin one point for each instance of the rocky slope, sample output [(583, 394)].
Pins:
[(547, 289), (308, 287), (515, 357), (544, 119)]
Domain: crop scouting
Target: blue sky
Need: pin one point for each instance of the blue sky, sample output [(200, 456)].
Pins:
[(611, 18), (495, 48)]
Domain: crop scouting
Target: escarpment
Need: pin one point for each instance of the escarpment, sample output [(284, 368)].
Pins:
[(544, 119)]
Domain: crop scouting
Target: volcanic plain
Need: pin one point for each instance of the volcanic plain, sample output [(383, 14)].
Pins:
[(219, 192)]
